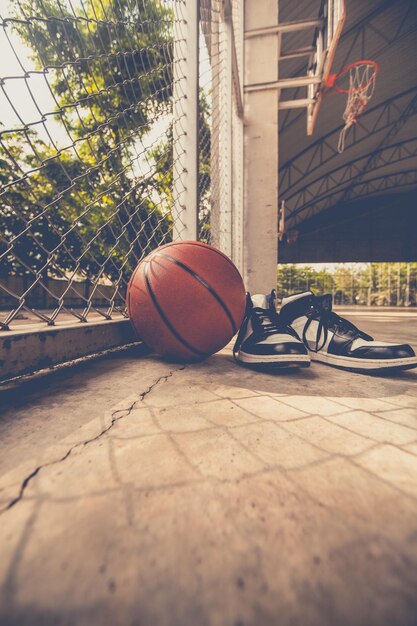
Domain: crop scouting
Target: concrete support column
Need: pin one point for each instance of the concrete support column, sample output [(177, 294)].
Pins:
[(185, 122), (261, 150)]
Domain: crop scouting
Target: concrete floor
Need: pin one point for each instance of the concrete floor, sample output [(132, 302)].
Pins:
[(137, 492)]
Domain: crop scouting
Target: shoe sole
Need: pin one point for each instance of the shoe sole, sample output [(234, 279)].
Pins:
[(364, 365), (273, 361)]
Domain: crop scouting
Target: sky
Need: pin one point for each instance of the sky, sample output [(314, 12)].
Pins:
[(17, 106), (17, 89), (23, 101)]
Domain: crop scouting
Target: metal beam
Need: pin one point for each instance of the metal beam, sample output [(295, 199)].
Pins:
[(386, 140), (348, 173), (362, 189), (297, 54), (324, 149), (294, 104), (285, 83), (288, 27), (360, 231)]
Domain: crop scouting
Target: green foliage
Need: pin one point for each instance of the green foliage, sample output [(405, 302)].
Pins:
[(86, 208), (380, 284), (114, 64), (162, 156)]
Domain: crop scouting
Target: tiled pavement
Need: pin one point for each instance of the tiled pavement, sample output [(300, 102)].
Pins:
[(143, 493)]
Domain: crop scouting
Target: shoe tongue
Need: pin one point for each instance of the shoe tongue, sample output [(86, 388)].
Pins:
[(295, 306), (260, 301), (296, 297)]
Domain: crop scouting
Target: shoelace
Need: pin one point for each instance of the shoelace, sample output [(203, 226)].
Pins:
[(266, 322), (322, 307)]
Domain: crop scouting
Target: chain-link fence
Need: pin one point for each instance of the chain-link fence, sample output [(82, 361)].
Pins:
[(112, 142), (221, 125), (204, 124), (366, 284), (87, 94)]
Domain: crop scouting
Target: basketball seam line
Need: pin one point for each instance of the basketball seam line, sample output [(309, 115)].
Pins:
[(166, 320), (205, 284)]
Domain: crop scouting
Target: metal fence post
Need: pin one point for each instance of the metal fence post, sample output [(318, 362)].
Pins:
[(237, 13), (226, 51), (185, 122), (224, 236)]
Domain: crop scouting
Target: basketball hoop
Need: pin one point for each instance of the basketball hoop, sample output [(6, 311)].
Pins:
[(357, 80)]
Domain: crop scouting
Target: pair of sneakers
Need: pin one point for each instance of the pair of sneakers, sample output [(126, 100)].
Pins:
[(307, 329)]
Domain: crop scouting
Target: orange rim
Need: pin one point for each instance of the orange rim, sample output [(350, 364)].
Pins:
[(332, 79)]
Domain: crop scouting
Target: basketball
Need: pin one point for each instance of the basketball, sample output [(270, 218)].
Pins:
[(186, 300)]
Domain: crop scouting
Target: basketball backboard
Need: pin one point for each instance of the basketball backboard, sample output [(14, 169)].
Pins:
[(326, 39), (320, 54)]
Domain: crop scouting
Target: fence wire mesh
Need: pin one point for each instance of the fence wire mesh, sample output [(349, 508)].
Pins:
[(221, 125), (205, 77), (86, 163)]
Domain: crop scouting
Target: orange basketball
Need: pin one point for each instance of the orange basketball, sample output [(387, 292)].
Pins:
[(186, 300)]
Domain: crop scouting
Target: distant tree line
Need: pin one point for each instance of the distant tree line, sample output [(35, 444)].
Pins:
[(378, 284)]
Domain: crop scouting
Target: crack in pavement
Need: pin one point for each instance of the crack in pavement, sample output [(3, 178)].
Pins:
[(115, 418)]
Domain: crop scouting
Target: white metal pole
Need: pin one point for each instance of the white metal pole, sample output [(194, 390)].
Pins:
[(237, 20), (226, 94), (221, 140), (185, 120), (216, 124), (227, 131)]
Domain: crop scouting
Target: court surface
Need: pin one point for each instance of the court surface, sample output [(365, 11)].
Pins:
[(146, 493)]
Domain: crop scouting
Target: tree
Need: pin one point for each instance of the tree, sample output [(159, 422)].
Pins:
[(163, 156), (378, 284), (88, 207)]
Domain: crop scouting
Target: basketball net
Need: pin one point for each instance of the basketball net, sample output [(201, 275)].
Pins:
[(357, 80)]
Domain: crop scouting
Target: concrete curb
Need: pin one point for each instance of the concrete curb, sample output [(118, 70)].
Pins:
[(24, 351)]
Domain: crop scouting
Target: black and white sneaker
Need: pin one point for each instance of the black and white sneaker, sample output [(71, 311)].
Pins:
[(264, 342), (334, 340)]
